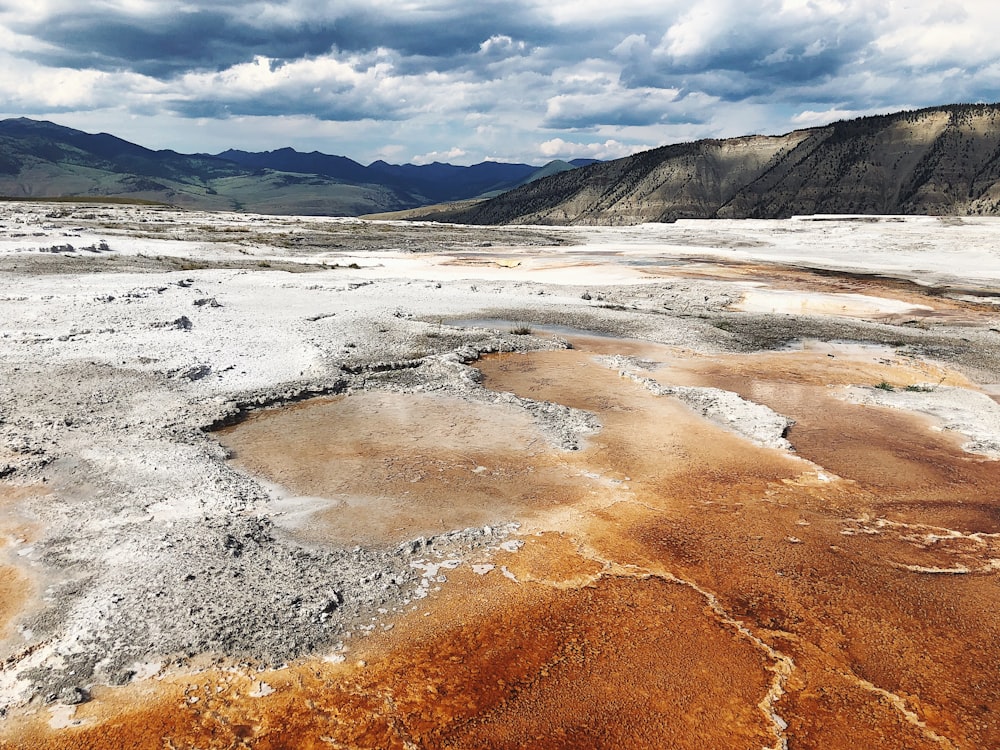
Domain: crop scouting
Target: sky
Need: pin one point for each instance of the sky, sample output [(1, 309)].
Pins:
[(464, 82)]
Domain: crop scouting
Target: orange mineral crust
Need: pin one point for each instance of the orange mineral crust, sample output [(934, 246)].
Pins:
[(13, 595), (16, 587), (621, 661), (682, 587), (879, 585)]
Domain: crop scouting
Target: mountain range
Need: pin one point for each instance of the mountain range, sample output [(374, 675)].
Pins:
[(938, 161), (42, 159)]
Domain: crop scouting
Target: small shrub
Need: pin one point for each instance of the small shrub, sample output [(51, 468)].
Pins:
[(521, 329), (885, 386)]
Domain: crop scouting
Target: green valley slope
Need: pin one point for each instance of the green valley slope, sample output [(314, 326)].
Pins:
[(45, 160)]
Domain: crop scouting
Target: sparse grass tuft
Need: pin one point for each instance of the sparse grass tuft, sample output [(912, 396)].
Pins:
[(521, 329), (191, 265), (923, 387), (885, 386), (437, 331)]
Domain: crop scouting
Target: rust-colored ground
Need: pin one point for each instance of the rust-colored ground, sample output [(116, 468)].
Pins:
[(770, 276), (681, 588), (623, 662), (16, 588)]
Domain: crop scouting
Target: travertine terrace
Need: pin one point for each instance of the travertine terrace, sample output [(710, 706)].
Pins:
[(276, 482)]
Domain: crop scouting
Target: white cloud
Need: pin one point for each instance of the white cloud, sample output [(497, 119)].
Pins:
[(451, 155), (632, 44), (502, 44), (811, 118), (924, 34), (699, 29), (557, 148), (328, 75), (31, 87)]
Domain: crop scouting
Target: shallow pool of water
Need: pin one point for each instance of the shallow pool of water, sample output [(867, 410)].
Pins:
[(377, 467)]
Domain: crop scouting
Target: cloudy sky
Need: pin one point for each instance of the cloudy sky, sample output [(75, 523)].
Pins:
[(461, 81)]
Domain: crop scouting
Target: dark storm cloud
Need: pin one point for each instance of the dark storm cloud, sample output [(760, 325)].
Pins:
[(165, 45), (282, 106), (630, 114), (458, 34)]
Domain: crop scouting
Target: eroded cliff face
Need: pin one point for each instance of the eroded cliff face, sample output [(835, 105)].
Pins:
[(939, 161), (693, 183)]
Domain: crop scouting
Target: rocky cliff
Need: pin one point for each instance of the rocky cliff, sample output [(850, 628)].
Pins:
[(940, 161)]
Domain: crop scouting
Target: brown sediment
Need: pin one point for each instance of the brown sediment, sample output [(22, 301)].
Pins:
[(678, 586), (830, 710), (893, 455), (887, 574)]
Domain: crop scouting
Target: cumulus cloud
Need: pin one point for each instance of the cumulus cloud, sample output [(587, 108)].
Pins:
[(811, 118), (327, 87), (557, 148), (451, 155), (729, 49), (502, 45), (490, 80)]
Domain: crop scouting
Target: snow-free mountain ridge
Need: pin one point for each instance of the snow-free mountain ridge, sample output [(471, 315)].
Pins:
[(43, 160), (938, 161)]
